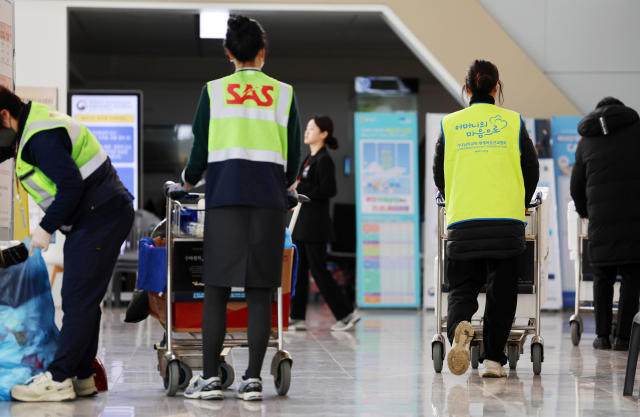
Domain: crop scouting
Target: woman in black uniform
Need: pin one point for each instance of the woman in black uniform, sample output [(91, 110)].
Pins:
[(313, 229), (247, 138)]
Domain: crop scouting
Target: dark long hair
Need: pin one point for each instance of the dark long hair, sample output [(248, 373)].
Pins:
[(245, 38), (482, 77), (325, 124)]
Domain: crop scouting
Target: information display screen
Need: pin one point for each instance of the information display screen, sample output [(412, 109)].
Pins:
[(115, 120)]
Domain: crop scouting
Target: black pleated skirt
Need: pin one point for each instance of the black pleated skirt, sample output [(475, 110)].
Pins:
[(243, 247)]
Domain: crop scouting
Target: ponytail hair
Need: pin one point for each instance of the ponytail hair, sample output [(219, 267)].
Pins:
[(325, 124), (482, 77)]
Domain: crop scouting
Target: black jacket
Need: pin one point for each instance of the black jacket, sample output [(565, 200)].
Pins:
[(490, 239), (605, 184), (318, 182)]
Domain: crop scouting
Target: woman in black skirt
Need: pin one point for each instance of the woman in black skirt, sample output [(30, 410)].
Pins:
[(313, 230), (247, 137)]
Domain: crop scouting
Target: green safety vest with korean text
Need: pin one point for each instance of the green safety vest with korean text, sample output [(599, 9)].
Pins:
[(482, 171), (249, 118), (86, 152)]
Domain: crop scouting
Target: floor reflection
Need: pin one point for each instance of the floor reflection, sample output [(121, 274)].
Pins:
[(383, 368)]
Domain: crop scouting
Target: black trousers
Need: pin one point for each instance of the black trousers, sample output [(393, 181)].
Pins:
[(603, 280), (90, 254), (466, 278), (314, 256)]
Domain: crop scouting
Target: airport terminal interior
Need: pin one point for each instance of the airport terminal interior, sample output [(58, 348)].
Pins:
[(124, 79)]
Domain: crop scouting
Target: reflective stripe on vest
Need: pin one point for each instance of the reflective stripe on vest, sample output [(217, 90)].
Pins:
[(47, 198), (74, 130), (254, 155), (483, 175)]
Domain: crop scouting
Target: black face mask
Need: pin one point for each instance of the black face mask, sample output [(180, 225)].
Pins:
[(7, 137)]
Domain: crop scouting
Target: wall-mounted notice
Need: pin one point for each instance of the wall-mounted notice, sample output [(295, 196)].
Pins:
[(114, 119), (564, 131), (387, 210), (6, 44)]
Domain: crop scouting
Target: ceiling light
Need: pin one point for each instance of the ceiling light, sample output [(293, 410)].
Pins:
[(213, 24)]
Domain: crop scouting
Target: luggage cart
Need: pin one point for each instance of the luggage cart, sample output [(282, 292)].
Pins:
[(578, 241), (531, 296), (178, 357)]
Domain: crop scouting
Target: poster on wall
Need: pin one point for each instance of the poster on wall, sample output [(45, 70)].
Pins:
[(115, 120), (6, 80), (6, 44), (564, 132), (387, 210), (539, 132), (430, 231)]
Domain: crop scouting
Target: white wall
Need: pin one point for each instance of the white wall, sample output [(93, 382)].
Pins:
[(589, 49), (41, 46)]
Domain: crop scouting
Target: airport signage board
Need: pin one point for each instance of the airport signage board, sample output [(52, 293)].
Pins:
[(387, 217), (564, 132), (115, 120)]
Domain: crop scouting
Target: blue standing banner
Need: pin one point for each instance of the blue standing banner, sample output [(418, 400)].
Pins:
[(565, 138), (388, 222)]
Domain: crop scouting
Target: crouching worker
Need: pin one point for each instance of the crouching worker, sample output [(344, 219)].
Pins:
[(487, 168), (66, 171)]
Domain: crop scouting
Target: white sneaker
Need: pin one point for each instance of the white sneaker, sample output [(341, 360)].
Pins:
[(298, 325), (85, 387), (205, 389), (346, 323), (250, 389), (493, 369), (42, 387), (459, 357)]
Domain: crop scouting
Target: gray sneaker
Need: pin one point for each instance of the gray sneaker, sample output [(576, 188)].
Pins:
[(205, 389), (299, 325), (346, 323), (250, 389)]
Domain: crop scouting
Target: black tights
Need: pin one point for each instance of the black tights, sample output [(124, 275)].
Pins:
[(214, 327)]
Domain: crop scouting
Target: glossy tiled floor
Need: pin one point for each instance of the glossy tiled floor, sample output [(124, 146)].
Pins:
[(383, 368)]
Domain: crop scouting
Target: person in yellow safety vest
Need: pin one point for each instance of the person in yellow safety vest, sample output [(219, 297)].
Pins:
[(63, 167), (486, 167), (247, 137)]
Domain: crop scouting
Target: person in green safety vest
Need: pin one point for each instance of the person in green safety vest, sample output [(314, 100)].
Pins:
[(247, 137), (65, 170), (487, 169)]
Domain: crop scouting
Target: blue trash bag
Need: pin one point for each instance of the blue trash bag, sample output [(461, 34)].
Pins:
[(28, 333), (152, 266)]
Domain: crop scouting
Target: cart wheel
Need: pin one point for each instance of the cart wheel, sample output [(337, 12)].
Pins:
[(283, 380), (227, 375), (172, 378), (536, 357), (475, 355), (513, 357), (438, 356), (185, 375), (575, 333)]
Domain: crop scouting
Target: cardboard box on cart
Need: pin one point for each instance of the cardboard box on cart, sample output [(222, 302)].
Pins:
[(187, 305)]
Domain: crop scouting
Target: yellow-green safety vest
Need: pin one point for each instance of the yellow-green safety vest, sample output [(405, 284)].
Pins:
[(482, 172), (249, 117), (86, 152)]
